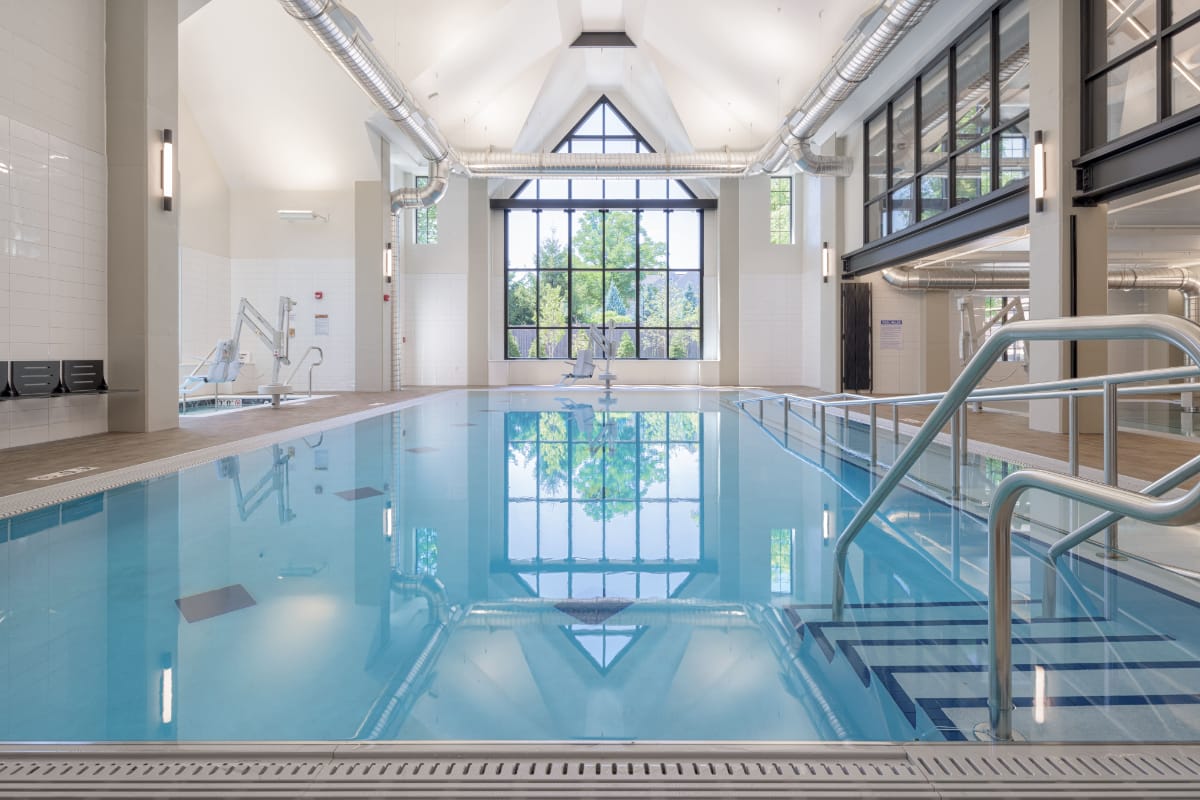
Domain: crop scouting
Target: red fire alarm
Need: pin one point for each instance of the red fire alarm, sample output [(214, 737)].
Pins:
[(387, 297), (318, 295)]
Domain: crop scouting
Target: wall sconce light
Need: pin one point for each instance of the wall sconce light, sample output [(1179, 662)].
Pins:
[(167, 691), (167, 166), (825, 262), (387, 262), (388, 522), (826, 524), (1039, 172), (299, 215)]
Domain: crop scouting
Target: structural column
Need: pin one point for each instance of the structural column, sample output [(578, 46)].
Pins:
[(1068, 246), (373, 314), (142, 78)]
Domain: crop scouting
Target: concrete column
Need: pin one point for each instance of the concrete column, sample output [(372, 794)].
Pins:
[(372, 316), (820, 325), (1054, 57), (142, 96), (479, 217), (728, 247)]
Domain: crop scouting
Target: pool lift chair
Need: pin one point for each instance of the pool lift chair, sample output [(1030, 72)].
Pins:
[(602, 341), (224, 359)]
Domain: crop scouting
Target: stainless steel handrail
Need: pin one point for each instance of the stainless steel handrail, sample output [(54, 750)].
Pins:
[(1182, 510), (1089, 529), (1176, 330), (319, 362)]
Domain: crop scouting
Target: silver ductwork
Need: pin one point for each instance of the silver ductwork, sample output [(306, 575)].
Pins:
[(710, 164), (853, 63), (428, 195), (341, 33), (1016, 278), (964, 279), (345, 38), (1181, 279)]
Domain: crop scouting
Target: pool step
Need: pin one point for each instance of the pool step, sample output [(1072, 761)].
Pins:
[(1069, 672)]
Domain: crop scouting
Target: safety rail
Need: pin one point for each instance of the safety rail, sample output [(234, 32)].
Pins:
[(1116, 502), (1181, 332), (320, 360), (1184, 510)]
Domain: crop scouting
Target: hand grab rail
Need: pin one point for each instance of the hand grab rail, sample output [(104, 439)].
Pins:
[(1176, 330), (1182, 510)]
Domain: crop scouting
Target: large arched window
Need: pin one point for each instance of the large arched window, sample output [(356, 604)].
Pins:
[(582, 251)]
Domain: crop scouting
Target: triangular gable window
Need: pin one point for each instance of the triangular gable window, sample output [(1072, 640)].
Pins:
[(626, 252)]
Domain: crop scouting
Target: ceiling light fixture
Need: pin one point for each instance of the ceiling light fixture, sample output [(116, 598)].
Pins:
[(298, 215)]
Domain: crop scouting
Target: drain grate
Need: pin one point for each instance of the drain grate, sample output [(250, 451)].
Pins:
[(556, 771)]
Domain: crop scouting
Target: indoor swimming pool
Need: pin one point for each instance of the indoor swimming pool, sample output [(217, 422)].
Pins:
[(560, 565)]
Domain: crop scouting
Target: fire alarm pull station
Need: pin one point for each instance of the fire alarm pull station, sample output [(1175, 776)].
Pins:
[(318, 295)]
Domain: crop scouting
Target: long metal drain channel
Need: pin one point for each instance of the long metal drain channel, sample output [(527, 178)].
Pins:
[(735, 770)]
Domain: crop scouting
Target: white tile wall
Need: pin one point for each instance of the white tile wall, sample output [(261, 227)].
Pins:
[(53, 206), (204, 311), (262, 281)]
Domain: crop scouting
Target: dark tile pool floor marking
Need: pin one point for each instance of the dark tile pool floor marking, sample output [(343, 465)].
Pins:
[(360, 493), (422, 449), (197, 607)]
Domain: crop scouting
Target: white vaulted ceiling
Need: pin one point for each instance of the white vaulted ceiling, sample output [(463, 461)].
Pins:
[(279, 112)]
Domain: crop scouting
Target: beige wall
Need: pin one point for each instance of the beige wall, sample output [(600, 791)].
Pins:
[(204, 212)]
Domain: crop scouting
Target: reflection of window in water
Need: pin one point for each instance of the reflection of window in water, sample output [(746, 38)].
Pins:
[(609, 512), (426, 551), (781, 560)]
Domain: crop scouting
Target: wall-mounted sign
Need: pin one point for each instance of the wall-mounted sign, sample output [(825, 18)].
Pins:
[(891, 334)]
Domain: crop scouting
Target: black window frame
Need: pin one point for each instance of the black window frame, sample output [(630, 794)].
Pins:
[(948, 160), (638, 206)]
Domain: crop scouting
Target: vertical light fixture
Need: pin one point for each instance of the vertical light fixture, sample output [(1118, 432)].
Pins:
[(167, 165), (387, 262), (826, 524), (1039, 172), (1039, 694), (825, 262), (167, 698), (388, 522)]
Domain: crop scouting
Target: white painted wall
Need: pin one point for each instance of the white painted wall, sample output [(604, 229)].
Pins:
[(434, 352), (272, 257), (53, 206), (770, 344), (204, 264)]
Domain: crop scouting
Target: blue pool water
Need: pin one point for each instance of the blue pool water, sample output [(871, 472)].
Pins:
[(533, 566)]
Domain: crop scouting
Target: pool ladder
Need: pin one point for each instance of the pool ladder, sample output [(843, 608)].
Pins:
[(1117, 503)]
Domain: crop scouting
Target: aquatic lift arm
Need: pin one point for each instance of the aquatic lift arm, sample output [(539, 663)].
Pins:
[(275, 338)]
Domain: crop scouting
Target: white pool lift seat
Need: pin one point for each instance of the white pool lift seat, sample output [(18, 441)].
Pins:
[(583, 368)]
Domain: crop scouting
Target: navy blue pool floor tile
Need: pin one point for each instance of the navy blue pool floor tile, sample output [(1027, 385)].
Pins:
[(197, 607), (360, 493)]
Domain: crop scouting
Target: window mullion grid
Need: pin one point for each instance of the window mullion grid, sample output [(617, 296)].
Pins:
[(570, 283), (952, 125), (1163, 62), (994, 99), (866, 161), (637, 277), (888, 167), (700, 286), (537, 283), (918, 148), (667, 292)]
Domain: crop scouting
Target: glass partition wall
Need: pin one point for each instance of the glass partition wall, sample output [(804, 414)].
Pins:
[(1142, 65), (956, 132)]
